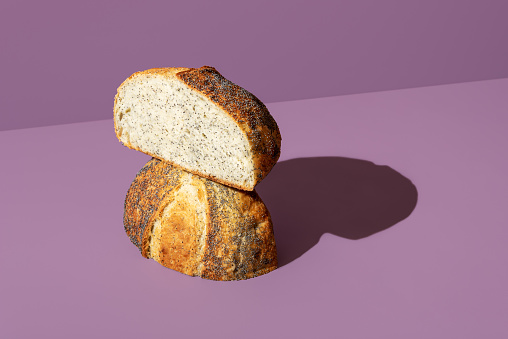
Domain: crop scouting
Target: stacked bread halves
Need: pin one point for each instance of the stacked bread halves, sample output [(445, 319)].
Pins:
[(193, 207)]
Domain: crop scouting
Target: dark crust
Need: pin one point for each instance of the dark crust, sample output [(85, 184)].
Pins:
[(239, 243), (248, 111), (144, 198)]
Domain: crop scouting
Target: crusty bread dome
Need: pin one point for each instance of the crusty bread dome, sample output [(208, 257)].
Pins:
[(197, 226)]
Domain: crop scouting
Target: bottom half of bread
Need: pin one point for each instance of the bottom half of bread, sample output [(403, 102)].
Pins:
[(199, 227)]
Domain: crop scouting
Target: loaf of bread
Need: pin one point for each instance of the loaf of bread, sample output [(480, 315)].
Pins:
[(197, 226), (199, 121)]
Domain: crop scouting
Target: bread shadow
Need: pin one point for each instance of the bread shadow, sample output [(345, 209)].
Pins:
[(350, 198)]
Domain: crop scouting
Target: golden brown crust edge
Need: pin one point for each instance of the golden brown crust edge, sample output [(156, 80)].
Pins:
[(176, 237), (144, 197)]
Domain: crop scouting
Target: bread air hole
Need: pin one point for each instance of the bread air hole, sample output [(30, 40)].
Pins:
[(127, 138), (120, 115)]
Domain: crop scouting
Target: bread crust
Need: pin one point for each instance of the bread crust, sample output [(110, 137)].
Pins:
[(144, 199), (234, 242), (248, 112), (239, 241)]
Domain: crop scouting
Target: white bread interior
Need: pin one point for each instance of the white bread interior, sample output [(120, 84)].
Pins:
[(161, 116)]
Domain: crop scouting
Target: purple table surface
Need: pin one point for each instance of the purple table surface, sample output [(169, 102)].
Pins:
[(389, 211)]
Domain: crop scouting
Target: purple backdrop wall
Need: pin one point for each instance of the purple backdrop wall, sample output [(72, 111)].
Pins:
[(62, 60)]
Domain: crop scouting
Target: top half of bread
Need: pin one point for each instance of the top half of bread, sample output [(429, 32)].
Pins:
[(198, 120)]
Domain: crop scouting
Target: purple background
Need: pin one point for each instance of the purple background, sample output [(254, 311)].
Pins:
[(428, 215), (63, 60), (389, 208)]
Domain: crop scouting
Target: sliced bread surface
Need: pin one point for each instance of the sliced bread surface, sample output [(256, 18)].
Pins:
[(199, 121)]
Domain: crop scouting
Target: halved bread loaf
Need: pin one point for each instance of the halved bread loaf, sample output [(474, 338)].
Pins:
[(199, 121), (197, 226)]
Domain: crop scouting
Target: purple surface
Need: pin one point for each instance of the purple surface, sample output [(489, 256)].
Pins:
[(69, 271), (63, 60)]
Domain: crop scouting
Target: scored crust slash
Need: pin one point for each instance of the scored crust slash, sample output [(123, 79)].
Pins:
[(193, 207)]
